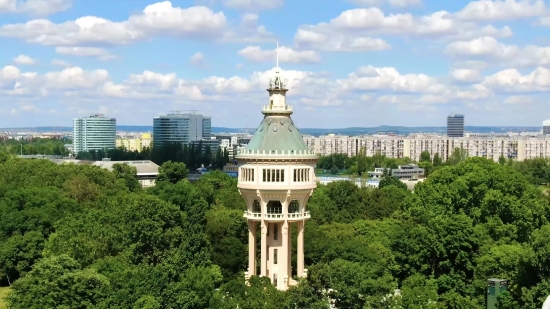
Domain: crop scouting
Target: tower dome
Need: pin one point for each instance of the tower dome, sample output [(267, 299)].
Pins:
[(276, 179)]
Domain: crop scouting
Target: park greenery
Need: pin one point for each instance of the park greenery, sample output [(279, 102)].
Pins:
[(78, 236), (194, 156)]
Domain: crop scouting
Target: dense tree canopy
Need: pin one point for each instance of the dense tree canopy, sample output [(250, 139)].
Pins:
[(78, 236)]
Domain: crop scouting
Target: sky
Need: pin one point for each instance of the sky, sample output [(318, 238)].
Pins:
[(348, 63)]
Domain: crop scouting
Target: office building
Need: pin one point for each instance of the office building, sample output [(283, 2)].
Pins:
[(181, 127), (276, 178), (455, 125), (546, 127), (95, 132)]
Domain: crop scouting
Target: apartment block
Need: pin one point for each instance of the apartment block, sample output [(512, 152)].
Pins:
[(518, 147)]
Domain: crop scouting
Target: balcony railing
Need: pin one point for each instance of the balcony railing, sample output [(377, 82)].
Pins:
[(290, 216), (286, 108)]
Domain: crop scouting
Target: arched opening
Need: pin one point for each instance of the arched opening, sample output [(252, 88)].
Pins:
[(274, 207), (293, 207), (256, 208)]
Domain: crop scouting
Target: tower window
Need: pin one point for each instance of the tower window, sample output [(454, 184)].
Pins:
[(256, 208), (274, 207), (293, 207), (276, 232), (275, 256)]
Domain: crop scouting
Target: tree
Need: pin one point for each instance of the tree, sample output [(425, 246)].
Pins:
[(388, 180), (172, 172), (501, 160), (437, 161), (58, 282), (425, 156)]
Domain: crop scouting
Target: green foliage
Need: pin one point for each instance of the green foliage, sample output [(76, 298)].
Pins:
[(78, 236), (193, 156), (43, 146), (172, 172)]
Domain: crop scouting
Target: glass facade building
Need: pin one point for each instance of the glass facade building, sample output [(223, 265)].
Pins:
[(181, 128), (95, 132), (455, 125)]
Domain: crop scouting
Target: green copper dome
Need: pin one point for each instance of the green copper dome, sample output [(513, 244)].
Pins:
[(277, 133)]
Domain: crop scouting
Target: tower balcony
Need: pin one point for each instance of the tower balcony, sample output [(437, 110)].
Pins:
[(276, 109), (295, 216)]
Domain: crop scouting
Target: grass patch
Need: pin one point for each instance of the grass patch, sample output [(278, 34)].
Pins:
[(3, 292)]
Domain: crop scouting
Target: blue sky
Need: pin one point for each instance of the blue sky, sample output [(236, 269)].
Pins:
[(347, 62)]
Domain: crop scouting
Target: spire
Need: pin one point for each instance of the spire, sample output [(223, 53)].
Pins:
[(277, 82)]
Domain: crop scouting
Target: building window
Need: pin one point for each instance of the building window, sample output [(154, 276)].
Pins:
[(301, 175), (275, 256), (274, 207), (294, 207), (273, 175), (276, 232), (256, 208)]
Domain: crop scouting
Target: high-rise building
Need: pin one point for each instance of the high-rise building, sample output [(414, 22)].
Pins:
[(181, 127), (455, 125), (276, 178), (546, 127), (95, 132)]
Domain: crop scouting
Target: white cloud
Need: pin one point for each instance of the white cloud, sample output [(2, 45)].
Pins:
[(197, 59), (394, 3), (358, 26), (485, 10), (161, 18), (466, 75), (60, 63), (370, 78), (253, 5), (24, 60), (100, 53), (511, 80), (34, 7), (286, 54), (494, 51), (518, 100)]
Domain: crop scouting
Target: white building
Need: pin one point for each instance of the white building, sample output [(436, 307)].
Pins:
[(276, 179), (95, 132), (515, 146)]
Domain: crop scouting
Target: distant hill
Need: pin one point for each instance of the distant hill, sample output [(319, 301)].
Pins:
[(313, 131)]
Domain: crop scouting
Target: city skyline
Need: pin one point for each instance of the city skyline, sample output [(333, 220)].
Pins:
[(354, 63)]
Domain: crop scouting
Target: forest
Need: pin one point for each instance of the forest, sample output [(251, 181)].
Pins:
[(78, 236)]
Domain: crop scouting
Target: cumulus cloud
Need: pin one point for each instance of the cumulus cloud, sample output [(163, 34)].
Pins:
[(24, 60), (286, 54), (159, 19), (197, 59), (485, 10), (492, 50), (34, 7), (99, 53), (60, 63), (393, 3), (253, 5), (466, 75), (356, 29)]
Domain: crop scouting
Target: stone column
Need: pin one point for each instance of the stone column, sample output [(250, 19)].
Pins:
[(300, 249), (283, 258), (289, 256), (252, 226), (264, 253)]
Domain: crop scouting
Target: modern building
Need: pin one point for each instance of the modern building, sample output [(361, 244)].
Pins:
[(408, 171), (181, 127), (546, 127), (455, 125), (147, 171), (212, 143), (95, 132), (276, 178)]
